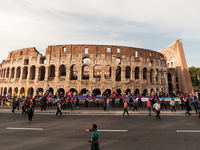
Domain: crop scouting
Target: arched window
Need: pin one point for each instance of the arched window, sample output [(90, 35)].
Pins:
[(25, 73), (73, 72), (85, 72), (32, 73), (151, 75), (137, 73), (62, 71), (97, 71), (8, 72), (86, 59), (128, 72), (41, 74), (107, 72), (12, 72), (18, 72), (51, 72), (145, 73), (118, 74)]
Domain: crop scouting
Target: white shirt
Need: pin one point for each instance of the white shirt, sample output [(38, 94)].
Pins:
[(156, 106)]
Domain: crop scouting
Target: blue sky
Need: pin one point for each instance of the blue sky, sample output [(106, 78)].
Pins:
[(146, 24)]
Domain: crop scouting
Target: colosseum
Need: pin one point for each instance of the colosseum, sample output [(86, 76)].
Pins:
[(95, 68)]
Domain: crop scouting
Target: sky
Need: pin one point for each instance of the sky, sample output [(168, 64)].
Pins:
[(149, 24)]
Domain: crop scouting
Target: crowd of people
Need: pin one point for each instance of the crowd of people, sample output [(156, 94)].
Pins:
[(68, 102)]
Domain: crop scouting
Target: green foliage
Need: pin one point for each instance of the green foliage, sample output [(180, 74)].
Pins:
[(195, 75)]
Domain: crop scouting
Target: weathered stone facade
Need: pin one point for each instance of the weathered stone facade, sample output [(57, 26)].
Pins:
[(99, 67)]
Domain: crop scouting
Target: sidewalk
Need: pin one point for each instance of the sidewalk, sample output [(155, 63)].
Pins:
[(117, 111)]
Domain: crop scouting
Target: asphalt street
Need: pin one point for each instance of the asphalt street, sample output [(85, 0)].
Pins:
[(68, 132)]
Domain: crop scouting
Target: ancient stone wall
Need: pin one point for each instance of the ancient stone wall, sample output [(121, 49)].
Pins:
[(98, 68)]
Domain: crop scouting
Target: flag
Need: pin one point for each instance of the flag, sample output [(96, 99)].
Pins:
[(45, 95), (15, 94), (114, 93), (69, 93), (21, 94), (8, 103), (25, 90)]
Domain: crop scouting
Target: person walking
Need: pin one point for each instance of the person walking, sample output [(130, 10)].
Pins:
[(95, 138), (125, 109), (187, 106), (113, 101), (149, 106), (131, 102), (140, 101), (108, 104), (77, 102), (58, 105), (30, 110), (163, 103), (72, 103), (120, 102), (24, 107), (157, 109), (14, 105), (173, 105), (97, 102), (196, 105), (135, 104)]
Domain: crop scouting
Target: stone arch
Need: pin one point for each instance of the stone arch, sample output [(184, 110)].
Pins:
[(118, 74), (128, 72), (128, 91), (170, 88), (84, 91), (96, 92), (137, 73), (97, 71), (73, 72), (145, 73), (32, 73), (137, 92), (18, 73), (43, 60), (10, 90), (25, 73), (119, 91), (51, 73), (74, 91), (0, 74), (21, 90), (30, 92), (86, 59), (2, 91), (62, 71), (5, 91), (151, 76), (40, 91), (85, 72), (169, 76), (145, 92), (108, 72), (60, 90), (26, 62), (8, 72), (12, 72), (118, 61), (108, 91), (41, 74), (157, 75), (152, 90), (51, 90), (16, 89)]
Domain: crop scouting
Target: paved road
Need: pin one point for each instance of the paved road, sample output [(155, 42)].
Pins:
[(69, 132)]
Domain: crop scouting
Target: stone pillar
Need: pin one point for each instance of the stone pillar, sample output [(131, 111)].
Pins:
[(102, 74), (36, 73), (46, 73), (148, 77), (141, 74), (123, 69), (56, 74), (29, 72), (113, 74), (68, 72), (91, 73), (133, 73), (79, 73)]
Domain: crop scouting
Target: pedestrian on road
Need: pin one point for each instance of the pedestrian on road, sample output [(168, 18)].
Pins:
[(97, 102), (196, 105), (24, 107), (30, 111), (77, 102), (125, 109), (113, 101), (135, 104), (188, 106), (131, 102), (120, 102), (173, 104), (14, 105), (58, 105), (149, 106), (95, 137), (157, 109), (72, 103), (163, 103), (140, 101), (108, 104)]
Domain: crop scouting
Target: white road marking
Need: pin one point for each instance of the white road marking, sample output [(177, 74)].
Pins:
[(188, 131), (110, 130), (37, 129)]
